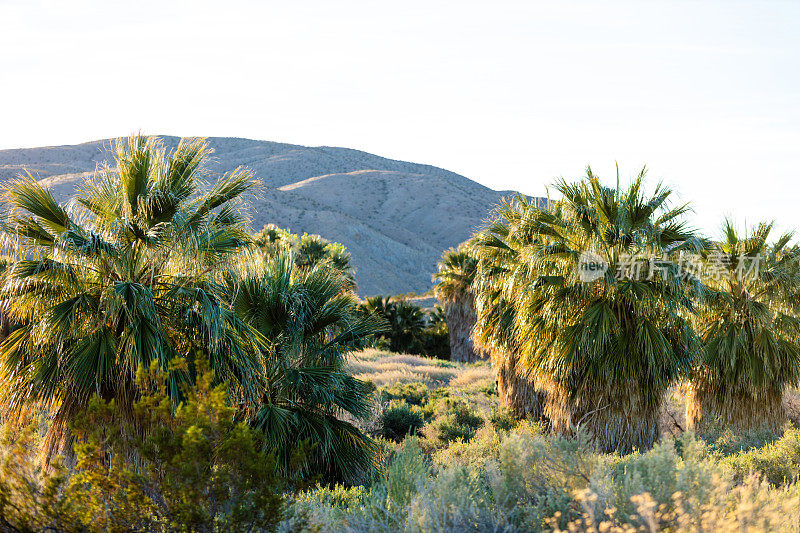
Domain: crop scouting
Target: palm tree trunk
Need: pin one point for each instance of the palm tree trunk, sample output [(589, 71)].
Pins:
[(619, 417), (461, 320), (739, 407), (517, 392)]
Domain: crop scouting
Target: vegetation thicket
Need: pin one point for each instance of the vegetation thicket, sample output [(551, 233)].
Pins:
[(161, 369)]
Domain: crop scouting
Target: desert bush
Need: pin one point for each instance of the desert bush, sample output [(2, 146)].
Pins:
[(321, 509), (503, 419), (536, 476), (195, 468), (750, 506), (526, 480), (778, 460), (454, 420), (484, 447), (399, 419), (725, 441), (661, 473), (414, 393), (31, 496)]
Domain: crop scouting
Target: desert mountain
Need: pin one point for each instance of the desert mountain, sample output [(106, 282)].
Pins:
[(395, 217)]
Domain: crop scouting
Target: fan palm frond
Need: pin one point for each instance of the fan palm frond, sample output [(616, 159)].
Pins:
[(749, 330), (115, 283), (602, 350), (309, 320)]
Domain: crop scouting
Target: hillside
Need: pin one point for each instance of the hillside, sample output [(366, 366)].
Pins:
[(394, 217)]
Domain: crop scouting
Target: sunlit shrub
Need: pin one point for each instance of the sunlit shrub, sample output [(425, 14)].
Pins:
[(193, 469), (778, 461), (415, 393), (196, 469), (726, 441), (454, 420), (503, 419)]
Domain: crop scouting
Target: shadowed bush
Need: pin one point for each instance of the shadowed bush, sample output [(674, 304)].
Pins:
[(400, 420)]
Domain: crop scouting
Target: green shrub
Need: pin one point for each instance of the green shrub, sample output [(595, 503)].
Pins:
[(484, 447), (725, 441), (454, 420), (661, 473), (489, 389), (32, 496), (321, 508), (526, 480), (503, 419), (778, 461), (193, 469), (415, 393), (198, 469), (399, 420)]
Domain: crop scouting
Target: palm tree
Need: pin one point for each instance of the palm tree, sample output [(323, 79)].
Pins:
[(308, 250), (272, 239), (457, 269), (750, 331), (309, 320), (606, 347), (437, 317), (499, 250), (405, 321), (123, 277)]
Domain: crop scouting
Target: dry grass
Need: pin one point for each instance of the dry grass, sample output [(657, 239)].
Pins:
[(473, 376), (384, 368)]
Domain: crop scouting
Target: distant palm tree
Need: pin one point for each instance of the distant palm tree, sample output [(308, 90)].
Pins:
[(309, 320), (272, 239), (457, 270), (405, 321), (437, 317), (605, 348), (750, 331), (308, 250), (377, 305), (123, 278)]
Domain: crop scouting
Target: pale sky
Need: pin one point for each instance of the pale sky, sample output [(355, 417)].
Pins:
[(510, 94)]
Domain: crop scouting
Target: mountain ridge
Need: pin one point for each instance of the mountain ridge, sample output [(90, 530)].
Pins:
[(395, 217)]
